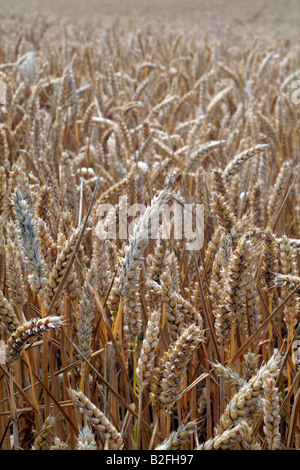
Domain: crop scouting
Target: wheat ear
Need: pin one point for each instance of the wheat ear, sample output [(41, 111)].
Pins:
[(97, 419)]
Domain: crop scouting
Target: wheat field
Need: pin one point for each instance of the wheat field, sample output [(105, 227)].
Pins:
[(141, 342)]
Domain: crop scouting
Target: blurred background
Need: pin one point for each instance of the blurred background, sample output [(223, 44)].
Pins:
[(278, 16)]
